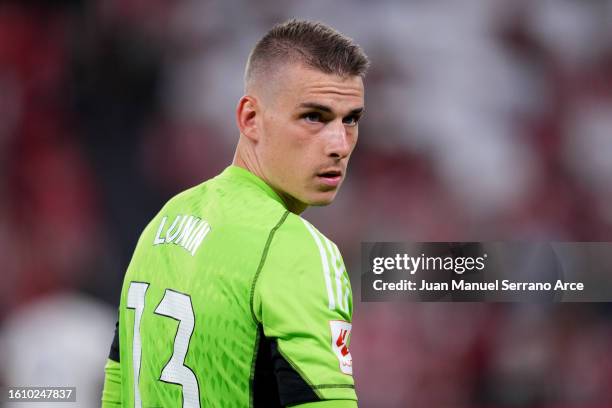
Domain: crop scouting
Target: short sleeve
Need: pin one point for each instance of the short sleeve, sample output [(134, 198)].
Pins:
[(303, 302)]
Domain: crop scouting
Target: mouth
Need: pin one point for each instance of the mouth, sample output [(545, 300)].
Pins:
[(330, 177)]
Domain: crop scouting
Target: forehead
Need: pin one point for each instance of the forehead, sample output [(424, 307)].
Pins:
[(299, 84)]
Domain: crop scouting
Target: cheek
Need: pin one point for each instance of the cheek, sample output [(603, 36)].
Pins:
[(284, 151), (288, 147), (353, 139), (297, 142)]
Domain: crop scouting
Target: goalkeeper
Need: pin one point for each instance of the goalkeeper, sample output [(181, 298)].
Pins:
[(231, 299)]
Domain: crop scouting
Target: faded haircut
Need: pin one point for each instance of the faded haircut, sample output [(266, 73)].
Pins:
[(312, 43)]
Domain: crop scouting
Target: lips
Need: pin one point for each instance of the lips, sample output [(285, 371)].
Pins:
[(331, 177), (330, 173)]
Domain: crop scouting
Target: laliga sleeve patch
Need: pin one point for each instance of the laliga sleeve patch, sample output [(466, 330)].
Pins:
[(340, 335)]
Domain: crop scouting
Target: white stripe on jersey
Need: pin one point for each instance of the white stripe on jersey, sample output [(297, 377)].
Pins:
[(335, 257), (326, 271), (340, 274)]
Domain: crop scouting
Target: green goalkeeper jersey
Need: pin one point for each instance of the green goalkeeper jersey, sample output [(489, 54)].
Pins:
[(230, 300)]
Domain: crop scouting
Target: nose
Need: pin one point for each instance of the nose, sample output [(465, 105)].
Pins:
[(340, 141)]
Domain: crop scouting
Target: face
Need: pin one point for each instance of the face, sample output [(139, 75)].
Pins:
[(307, 130)]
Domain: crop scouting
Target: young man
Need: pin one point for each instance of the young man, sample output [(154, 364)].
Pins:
[(231, 298)]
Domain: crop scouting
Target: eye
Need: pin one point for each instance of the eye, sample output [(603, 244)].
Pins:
[(351, 120), (312, 117)]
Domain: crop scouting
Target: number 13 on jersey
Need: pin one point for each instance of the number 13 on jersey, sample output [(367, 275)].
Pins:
[(177, 306)]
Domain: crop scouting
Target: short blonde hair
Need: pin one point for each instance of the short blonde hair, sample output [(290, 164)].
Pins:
[(312, 43)]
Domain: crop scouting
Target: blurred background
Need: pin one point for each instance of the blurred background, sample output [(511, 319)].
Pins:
[(486, 120)]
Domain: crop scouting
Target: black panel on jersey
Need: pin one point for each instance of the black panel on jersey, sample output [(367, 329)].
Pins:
[(275, 381), (114, 349), (292, 388), (264, 386)]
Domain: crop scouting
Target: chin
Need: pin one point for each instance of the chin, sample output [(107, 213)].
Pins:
[(322, 199)]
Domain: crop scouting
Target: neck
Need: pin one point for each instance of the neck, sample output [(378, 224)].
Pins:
[(249, 162)]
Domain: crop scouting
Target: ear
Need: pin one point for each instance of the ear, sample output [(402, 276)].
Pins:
[(246, 112)]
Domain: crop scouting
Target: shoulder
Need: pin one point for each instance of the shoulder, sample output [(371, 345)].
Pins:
[(303, 268), (229, 205), (301, 241), (172, 207), (301, 258)]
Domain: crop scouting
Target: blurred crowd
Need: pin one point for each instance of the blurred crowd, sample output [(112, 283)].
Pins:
[(485, 120)]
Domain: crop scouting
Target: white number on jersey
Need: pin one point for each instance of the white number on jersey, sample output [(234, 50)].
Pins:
[(177, 306)]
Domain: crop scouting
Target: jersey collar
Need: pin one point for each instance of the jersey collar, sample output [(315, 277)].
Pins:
[(239, 173)]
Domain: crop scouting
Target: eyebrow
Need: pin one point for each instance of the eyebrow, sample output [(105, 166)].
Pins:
[(323, 108)]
